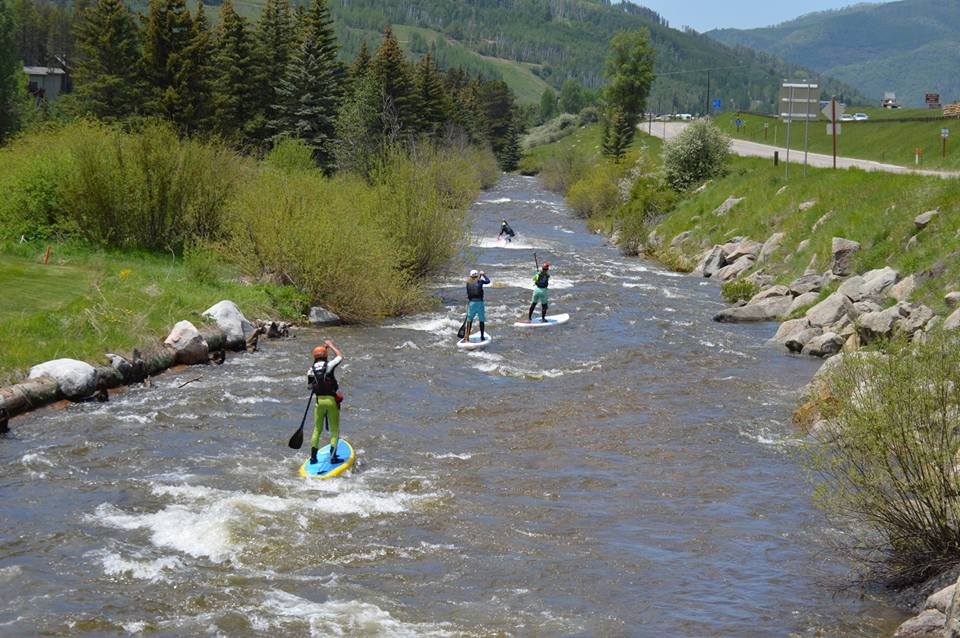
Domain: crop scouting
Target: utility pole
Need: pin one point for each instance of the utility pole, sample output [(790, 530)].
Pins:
[(706, 111)]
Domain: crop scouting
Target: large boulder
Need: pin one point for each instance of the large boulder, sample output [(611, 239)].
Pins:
[(806, 283), (188, 344), (773, 291), (789, 329), (952, 299), (745, 248), (940, 600), (923, 220), (903, 290), (807, 205), (805, 300), (714, 262), (766, 310), (726, 206), (771, 245), (737, 268), (929, 624), (878, 282), (229, 319), (953, 321), (853, 288), (322, 317), (843, 251), (76, 379), (917, 319), (826, 345), (880, 325), (831, 310), (798, 341)]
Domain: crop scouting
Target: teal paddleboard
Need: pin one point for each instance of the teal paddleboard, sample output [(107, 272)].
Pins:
[(323, 468)]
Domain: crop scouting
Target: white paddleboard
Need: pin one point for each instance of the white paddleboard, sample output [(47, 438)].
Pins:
[(475, 343), (552, 320)]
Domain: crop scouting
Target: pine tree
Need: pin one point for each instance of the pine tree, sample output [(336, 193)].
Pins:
[(173, 65), (358, 128), (510, 154), (392, 71), (435, 105), (361, 63), (10, 72), (107, 77), (469, 113), (617, 134), (235, 88), (199, 83), (275, 43), (310, 94)]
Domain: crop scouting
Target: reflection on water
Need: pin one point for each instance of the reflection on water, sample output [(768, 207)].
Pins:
[(627, 474)]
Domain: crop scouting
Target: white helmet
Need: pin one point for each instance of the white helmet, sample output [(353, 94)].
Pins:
[(474, 273)]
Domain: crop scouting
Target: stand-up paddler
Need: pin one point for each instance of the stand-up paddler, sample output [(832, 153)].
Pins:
[(541, 281), (475, 305), (323, 381)]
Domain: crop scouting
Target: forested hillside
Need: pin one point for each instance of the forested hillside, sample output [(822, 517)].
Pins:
[(910, 47)]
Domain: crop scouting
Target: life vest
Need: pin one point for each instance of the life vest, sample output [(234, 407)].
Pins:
[(475, 290), (323, 383), (542, 279)]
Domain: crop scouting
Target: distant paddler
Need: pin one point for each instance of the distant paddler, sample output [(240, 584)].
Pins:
[(506, 231)]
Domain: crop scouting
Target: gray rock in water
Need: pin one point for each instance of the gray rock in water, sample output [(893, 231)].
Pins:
[(940, 600), (952, 299), (771, 245), (773, 291), (120, 364), (790, 328), (843, 251), (766, 310), (902, 291), (188, 344), (807, 283), (831, 310), (725, 207), (734, 270), (714, 262), (929, 624), (806, 300), (322, 317), (229, 319), (797, 342), (923, 220), (826, 345), (77, 379)]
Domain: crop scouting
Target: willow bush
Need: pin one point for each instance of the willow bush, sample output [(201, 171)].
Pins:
[(889, 459), (700, 152)]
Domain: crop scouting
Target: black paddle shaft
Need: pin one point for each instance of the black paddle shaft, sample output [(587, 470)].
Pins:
[(296, 441)]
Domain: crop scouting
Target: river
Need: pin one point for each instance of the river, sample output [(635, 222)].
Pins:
[(631, 473)]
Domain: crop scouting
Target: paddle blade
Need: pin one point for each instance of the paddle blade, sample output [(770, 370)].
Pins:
[(296, 441), (463, 330)]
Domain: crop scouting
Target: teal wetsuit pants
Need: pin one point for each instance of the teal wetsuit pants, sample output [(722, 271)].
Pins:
[(326, 409)]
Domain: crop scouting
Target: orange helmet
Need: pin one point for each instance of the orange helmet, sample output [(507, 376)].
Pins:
[(319, 352)]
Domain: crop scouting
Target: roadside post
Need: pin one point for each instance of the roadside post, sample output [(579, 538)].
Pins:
[(832, 111), (916, 155), (798, 100), (766, 127), (944, 134)]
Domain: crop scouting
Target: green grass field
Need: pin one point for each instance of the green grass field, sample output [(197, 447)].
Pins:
[(879, 139), (85, 303)]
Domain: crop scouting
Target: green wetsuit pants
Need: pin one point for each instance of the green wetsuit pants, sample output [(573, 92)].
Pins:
[(326, 409)]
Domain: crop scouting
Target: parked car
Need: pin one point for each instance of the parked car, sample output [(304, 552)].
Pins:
[(861, 117), (846, 117)]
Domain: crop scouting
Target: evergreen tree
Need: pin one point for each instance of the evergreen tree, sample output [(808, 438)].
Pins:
[(548, 105), (617, 134), (434, 102), (510, 154), (359, 134), (200, 81), (361, 63), (235, 87), (498, 113), (310, 94), (172, 65), (393, 74), (10, 73), (107, 77), (275, 41), (469, 113)]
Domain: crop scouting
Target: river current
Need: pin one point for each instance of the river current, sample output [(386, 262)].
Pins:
[(631, 473)]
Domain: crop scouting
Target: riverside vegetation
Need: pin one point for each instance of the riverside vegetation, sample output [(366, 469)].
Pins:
[(885, 442)]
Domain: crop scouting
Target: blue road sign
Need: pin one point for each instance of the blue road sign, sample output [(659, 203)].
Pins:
[(717, 103)]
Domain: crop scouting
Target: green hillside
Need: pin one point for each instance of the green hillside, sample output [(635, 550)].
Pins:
[(911, 47), (534, 43)]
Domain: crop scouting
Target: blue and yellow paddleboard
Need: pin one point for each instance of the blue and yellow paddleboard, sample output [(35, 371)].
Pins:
[(323, 468)]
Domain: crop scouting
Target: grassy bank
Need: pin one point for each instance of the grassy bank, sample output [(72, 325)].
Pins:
[(148, 228), (880, 139)]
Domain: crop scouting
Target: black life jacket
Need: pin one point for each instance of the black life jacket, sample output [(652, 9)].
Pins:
[(506, 229), (543, 279), (323, 383), (475, 290)]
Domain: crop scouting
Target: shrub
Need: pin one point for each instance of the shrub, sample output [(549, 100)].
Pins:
[(649, 199), (556, 129), (597, 193), (564, 168), (588, 115), (739, 290), (890, 468), (674, 260), (290, 154), (700, 152)]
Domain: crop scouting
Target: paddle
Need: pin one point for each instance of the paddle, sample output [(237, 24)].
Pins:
[(296, 441), (463, 329)]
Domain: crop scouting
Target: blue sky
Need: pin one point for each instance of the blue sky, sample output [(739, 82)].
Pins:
[(704, 15)]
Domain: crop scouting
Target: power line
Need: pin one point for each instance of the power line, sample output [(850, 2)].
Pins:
[(716, 68)]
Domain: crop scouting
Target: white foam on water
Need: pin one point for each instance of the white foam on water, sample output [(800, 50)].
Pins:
[(493, 242), (764, 436), (499, 200), (365, 503), (142, 419), (10, 573), (136, 627), (249, 400), (407, 345), (434, 324), (32, 461), (564, 230), (153, 570), (508, 281), (451, 455), (345, 618)]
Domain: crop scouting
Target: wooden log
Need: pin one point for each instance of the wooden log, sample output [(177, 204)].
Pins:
[(215, 337), (29, 395)]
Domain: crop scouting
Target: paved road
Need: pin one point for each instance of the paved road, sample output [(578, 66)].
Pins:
[(669, 130)]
